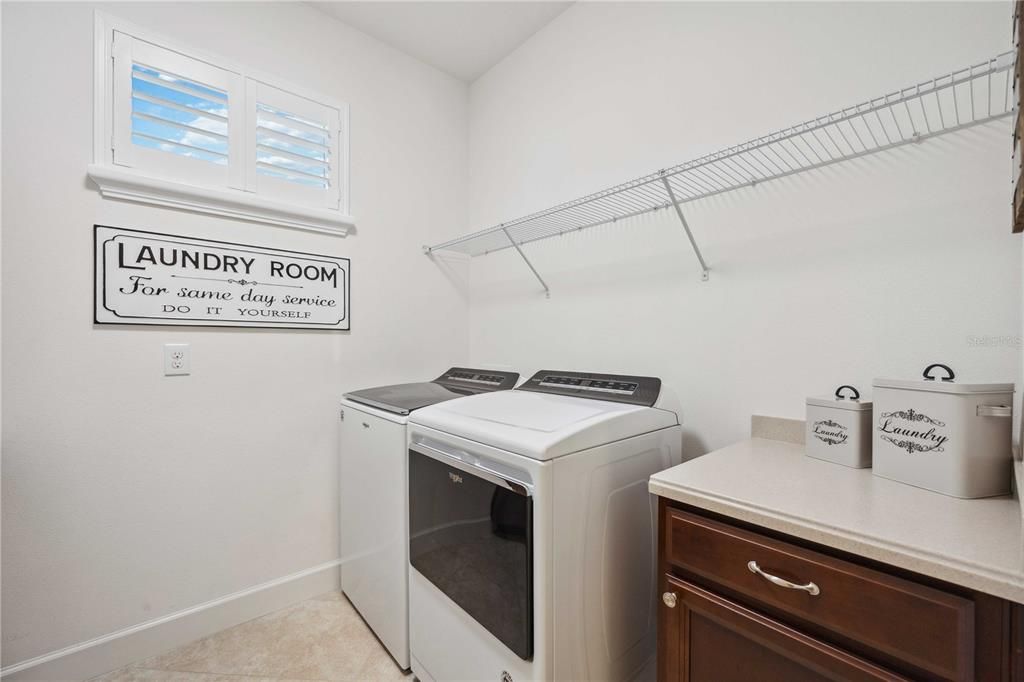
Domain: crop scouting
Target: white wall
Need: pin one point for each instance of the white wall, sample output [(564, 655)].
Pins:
[(871, 268), (128, 495)]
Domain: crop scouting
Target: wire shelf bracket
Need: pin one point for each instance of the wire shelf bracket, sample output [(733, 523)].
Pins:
[(704, 270), (956, 101), (547, 291)]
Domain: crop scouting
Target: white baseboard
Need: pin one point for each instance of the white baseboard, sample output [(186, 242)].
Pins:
[(124, 647)]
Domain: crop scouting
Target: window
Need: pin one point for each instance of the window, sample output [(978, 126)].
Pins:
[(294, 144), (176, 116), (183, 129)]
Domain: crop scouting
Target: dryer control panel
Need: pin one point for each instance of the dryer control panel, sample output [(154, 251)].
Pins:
[(617, 388)]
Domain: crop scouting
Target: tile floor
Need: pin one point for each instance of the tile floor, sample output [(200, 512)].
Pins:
[(321, 639)]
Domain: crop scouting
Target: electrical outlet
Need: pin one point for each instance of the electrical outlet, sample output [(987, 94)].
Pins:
[(177, 359)]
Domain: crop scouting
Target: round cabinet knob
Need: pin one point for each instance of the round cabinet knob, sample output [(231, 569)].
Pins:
[(670, 599)]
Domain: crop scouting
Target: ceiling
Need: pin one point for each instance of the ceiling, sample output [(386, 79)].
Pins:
[(464, 39)]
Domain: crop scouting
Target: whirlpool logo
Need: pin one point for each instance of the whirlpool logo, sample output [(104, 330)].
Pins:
[(454, 477)]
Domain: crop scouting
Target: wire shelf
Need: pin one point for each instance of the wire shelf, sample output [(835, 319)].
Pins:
[(967, 97)]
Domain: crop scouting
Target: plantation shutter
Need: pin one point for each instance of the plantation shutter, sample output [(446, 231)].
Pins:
[(294, 148), (177, 116)]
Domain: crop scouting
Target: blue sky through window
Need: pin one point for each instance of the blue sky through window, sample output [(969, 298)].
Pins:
[(291, 147), (180, 116), (176, 115)]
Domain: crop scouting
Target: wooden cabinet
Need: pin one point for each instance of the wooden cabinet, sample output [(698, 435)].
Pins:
[(742, 603)]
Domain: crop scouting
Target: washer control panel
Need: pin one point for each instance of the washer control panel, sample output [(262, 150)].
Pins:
[(479, 379), (634, 390)]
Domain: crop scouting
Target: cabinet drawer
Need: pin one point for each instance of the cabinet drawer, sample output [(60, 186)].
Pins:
[(708, 638), (925, 627)]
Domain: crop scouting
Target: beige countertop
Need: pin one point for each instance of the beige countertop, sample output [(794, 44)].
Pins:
[(974, 543)]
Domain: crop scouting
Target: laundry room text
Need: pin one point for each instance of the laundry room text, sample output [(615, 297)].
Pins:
[(150, 278)]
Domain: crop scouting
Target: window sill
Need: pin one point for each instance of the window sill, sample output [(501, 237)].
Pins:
[(117, 183)]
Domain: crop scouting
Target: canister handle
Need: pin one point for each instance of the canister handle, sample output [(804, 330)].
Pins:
[(840, 396), (995, 411), (929, 368)]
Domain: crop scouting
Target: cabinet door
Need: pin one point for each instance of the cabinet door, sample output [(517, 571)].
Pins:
[(707, 638)]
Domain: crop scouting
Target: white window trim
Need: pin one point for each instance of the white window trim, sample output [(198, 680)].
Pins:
[(120, 182)]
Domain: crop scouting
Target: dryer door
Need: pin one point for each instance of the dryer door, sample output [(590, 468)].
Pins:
[(471, 535)]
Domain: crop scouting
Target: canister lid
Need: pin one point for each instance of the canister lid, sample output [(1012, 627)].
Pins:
[(839, 404), (938, 378), (846, 397), (942, 387)]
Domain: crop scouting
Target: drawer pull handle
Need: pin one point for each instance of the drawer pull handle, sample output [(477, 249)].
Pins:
[(670, 599), (809, 588)]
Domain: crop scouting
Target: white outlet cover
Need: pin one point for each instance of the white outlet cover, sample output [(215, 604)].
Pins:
[(177, 359)]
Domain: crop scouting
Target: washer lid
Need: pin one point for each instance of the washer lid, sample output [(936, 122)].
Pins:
[(404, 398), (455, 383), (541, 426)]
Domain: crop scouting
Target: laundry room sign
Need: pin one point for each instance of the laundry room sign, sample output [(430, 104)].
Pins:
[(159, 279)]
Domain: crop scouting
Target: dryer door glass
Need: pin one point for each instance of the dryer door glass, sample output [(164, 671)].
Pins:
[(472, 537)]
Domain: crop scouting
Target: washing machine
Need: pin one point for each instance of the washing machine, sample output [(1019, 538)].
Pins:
[(374, 506), (532, 536)]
